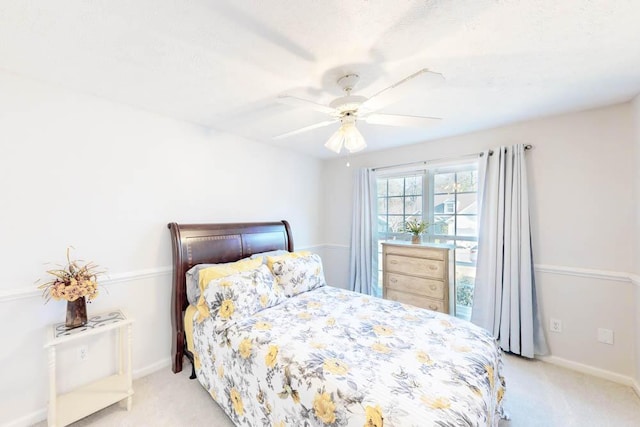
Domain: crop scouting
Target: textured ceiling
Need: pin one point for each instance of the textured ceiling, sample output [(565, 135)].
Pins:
[(222, 64)]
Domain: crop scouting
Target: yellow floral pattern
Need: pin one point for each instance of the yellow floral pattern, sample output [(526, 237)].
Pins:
[(262, 326), (236, 401), (335, 366), (270, 358), (423, 358), (226, 309), (374, 416), (324, 408), (237, 296), (350, 364), (245, 348), (438, 402), (380, 348), (383, 330), (264, 300)]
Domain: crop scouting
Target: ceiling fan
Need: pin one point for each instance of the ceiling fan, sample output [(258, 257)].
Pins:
[(349, 109)]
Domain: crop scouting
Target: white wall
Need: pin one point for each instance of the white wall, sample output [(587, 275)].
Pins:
[(107, 178), (582, 212), (636, 252)]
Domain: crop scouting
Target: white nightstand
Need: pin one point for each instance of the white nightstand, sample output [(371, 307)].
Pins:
[(67, 408)]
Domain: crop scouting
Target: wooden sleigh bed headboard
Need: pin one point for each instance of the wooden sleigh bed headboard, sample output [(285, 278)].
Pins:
[(214, 243)]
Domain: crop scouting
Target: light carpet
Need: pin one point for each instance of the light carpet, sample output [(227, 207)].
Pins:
[(538, 394)]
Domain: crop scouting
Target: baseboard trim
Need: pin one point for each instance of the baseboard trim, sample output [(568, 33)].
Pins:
[(29, 420), (589, 370), (41, 414), (636, 387), (150, 369)]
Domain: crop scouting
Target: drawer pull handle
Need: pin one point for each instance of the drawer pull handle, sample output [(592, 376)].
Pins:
[(433, 267), (393, 261), (433, 287), (393, 280), (433, 306)]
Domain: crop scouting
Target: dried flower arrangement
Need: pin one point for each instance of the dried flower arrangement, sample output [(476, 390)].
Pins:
[(73, 281)]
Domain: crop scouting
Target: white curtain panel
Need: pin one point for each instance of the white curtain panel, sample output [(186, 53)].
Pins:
[(504, 300), (364, 255)]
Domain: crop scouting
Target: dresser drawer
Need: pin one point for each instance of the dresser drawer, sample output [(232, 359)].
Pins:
[(417, 252), (415, 300), (415, 285), (414, 266)]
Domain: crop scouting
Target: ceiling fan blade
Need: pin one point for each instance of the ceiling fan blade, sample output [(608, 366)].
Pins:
[(299, 102), (400, 120), (387, 95), (266, 33), (304, 129)]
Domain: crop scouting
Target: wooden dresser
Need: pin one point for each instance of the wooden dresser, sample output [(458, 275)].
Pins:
[(419, 274)]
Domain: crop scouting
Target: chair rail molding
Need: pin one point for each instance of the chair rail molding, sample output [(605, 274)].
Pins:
[(31, 292), (614, 276), (105, 280)]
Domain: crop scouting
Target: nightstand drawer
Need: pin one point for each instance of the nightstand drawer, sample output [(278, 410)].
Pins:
[(416, 285), (414, 266), (415, 300)]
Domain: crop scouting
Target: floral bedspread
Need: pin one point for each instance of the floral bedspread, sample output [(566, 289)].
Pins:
[(338, 358)]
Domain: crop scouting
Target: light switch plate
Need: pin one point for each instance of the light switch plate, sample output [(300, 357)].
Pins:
[(605, 336)]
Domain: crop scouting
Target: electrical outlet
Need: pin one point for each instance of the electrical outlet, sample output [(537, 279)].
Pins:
[(555, 325), (83, 353), (605, 336)]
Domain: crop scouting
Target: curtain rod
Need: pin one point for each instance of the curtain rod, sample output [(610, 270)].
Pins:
[(425, 162)]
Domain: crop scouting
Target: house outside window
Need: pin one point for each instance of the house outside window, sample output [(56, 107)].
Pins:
[(445, 197), (449, 207)]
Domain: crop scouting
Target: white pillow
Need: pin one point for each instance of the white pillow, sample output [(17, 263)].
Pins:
[(295, 275), (193, 290), (192, 277)]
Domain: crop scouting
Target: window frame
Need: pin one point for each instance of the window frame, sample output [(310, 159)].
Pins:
[(428, 213), (400, 235)]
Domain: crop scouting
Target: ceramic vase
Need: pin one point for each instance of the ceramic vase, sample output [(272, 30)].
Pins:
[(76, 313)]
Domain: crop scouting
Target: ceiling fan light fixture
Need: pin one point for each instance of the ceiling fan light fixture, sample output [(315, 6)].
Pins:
[(349, 107), (334, 143), (348, 136), (353, 139)]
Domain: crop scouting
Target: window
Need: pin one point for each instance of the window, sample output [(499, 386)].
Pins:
[(399, 200), (445, 197)]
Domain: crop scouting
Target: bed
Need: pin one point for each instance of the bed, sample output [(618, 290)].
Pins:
[(327, 356)]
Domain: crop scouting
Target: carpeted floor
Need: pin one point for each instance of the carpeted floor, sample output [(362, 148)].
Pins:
[(538, 394), (541, 394)]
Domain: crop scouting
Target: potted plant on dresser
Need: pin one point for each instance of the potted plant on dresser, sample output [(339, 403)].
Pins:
[(416, 228)]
